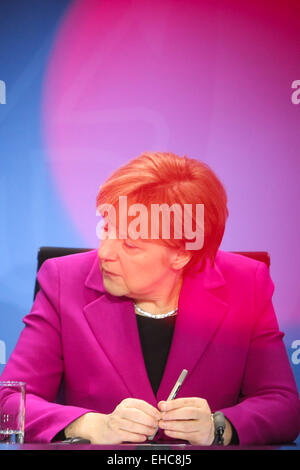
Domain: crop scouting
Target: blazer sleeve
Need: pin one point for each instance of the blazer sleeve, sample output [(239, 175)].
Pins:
[(37, 360), (268, 411)]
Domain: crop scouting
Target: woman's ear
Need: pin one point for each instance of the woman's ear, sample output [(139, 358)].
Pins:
[(180, 259)]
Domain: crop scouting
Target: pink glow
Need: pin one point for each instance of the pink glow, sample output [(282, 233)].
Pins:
[(209, 79)]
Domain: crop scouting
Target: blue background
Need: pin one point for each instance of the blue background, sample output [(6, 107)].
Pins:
[(31, 213)]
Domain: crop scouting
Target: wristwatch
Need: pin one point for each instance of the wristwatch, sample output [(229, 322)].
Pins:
[(219, 422)]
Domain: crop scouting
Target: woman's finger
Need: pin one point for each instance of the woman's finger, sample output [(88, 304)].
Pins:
[(192, 425), (141, 405), (127, 436), (138, 416), (182, 402), (133, 427), (187, 412)]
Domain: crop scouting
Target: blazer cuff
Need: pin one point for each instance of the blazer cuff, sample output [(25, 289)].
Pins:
[(234, 438)]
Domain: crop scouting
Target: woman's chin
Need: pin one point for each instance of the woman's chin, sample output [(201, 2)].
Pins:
[(112, 288)]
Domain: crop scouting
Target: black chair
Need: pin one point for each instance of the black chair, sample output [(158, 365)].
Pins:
[(46, 252)]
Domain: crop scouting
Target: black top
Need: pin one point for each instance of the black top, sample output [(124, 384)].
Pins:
[(156, 338)]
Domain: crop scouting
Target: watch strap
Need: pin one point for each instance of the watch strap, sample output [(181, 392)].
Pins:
[(219, 423)]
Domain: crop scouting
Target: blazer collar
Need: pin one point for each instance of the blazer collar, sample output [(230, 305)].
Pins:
[(201, 310), (210, 278), (94, 278)]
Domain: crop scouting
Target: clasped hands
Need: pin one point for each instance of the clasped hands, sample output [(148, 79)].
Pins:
[(134, 420), (189, 419)]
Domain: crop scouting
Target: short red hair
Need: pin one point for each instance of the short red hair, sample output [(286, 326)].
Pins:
[(160, 177)]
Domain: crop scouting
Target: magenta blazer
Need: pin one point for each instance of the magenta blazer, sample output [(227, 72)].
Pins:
[(226, 336)]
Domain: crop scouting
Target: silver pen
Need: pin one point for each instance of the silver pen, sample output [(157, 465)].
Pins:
[(172, 395)]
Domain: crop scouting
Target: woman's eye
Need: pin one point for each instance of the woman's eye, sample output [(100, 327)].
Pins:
[(129, 246)]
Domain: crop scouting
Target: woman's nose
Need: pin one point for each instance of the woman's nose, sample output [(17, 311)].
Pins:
[(107, 250)]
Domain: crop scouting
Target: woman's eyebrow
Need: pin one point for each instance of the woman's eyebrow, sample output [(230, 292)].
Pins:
[(139, 242)]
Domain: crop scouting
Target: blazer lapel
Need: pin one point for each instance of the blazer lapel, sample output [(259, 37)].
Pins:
[(113, 322), (201, 309)]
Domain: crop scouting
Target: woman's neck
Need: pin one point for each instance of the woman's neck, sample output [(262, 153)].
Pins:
[(164, 301)]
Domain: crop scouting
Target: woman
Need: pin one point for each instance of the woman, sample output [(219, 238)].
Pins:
[(119, 325)]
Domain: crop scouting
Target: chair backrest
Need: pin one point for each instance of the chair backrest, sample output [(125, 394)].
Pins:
[(258, 255), (46, 252)]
